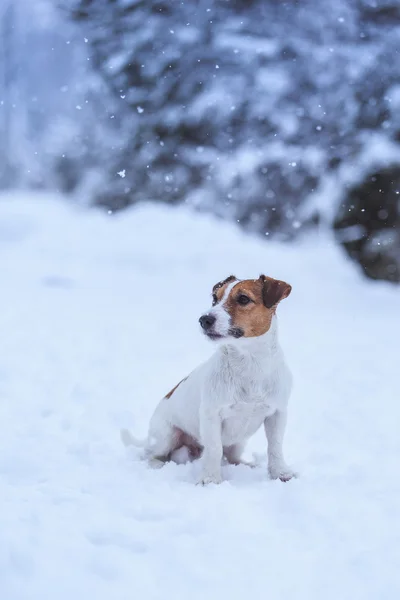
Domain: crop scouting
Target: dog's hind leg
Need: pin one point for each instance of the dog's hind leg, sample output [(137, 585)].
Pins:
[(163, 439)]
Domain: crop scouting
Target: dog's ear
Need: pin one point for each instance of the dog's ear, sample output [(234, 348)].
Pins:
[(220, 284), (274, 290)]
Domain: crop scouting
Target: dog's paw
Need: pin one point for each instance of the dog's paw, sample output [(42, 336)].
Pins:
[(248, 463), (155, 463), (282, 472), (239, 461), (207, 479)]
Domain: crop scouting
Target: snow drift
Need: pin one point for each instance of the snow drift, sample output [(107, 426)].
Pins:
[(98, 319)]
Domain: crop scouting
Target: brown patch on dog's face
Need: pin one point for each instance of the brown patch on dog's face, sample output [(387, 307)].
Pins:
[(219, 289), (252, 303), (221, 284)]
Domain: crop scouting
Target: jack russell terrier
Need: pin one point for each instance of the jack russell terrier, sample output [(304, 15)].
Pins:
[(243, 385)]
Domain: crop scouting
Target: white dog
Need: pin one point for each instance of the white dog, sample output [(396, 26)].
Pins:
[(244, 384)]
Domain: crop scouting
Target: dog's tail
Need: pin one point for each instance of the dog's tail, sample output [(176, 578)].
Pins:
[(129, 440)]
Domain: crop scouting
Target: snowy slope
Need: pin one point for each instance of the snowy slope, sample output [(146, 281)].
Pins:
[(98, 320)]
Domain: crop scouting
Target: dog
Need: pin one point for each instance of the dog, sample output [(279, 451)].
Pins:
[(245, 384)]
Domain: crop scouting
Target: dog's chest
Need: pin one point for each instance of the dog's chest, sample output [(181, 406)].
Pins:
[(251, 402)]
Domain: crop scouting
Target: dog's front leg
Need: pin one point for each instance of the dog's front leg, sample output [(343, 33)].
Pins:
[(274, 429), (210, 432)]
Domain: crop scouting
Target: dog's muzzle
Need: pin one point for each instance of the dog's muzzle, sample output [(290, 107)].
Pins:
[(207, 321)]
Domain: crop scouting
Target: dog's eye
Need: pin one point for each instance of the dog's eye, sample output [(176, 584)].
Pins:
[(243, 300), (214, 299)]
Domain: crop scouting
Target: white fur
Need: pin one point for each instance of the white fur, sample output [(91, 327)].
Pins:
[(222, 322), (245, 384)]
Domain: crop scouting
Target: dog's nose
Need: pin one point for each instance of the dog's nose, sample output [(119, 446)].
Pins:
[(207, 321)]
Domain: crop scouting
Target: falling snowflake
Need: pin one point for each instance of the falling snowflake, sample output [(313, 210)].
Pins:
[(140, 110), (121, 173)]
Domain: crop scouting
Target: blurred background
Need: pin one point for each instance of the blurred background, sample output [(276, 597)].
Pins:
[(282, 116)]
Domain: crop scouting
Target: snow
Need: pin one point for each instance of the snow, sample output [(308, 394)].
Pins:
[(98, 320)]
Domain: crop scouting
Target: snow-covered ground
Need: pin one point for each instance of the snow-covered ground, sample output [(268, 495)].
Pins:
[(98, 320)]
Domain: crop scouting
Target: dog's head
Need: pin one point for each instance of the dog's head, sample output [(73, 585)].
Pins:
[(243, 308)]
